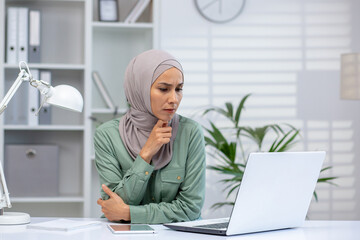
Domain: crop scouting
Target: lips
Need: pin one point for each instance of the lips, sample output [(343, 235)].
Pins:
[(169, 110)]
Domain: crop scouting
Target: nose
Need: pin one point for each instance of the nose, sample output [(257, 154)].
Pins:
[(173, 98)]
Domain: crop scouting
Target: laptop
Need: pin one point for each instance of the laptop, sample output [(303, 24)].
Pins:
[(275, 193)]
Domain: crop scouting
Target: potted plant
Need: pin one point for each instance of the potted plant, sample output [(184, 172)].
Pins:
[(232, 164)]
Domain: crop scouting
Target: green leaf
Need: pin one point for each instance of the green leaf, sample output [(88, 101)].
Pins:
[(232, 189), (316, 196), (327, 180), (277, 129), (220, 143), (256, 134), (272, 147), (218, 110), (221, 204), (327, 168), (278, 143), (232, 151), (239, 110), (277, 147), (287, 144), (230, 110), (216, 134), (209, 141)]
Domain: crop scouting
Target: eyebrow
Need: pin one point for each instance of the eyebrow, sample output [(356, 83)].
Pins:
[(168, 84)]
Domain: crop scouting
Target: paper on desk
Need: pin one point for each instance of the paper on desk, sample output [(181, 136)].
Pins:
[(63, 225)]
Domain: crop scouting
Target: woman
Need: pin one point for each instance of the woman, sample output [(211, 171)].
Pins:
[(151, 161)]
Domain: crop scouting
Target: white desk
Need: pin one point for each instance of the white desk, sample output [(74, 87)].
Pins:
[(312, 230)]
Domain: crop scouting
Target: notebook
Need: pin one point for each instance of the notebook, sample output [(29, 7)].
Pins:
[(275, 193), (63, 225)]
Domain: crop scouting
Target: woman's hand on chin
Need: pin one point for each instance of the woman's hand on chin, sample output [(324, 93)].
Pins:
[(160, 135)]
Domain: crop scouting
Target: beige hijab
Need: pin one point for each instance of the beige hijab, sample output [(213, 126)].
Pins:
[(136, 125)]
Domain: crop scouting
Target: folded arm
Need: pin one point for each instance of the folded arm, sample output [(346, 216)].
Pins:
[(129, 185)]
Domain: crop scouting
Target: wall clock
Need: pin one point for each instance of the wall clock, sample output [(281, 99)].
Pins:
[(220, 11)]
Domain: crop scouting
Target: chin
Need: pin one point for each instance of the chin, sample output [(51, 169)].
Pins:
[(166, 118)]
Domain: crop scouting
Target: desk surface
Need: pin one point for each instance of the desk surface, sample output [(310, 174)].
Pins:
[(311, 230)]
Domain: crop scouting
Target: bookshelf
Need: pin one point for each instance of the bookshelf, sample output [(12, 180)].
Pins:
[(76, 43)]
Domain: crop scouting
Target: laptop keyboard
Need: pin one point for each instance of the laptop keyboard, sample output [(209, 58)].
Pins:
[(214, 225)]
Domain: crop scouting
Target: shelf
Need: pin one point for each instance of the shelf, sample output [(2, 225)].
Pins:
[(45, 127), (48, 66), (46, 199), (108, 111), (121, 25)]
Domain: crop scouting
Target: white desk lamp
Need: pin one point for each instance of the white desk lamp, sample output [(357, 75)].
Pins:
[(63, 96)]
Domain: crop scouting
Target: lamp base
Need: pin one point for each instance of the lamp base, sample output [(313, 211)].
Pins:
[(14, 218)]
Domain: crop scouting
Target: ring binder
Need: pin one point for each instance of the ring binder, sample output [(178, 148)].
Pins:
[(34, 36), (23, 31), (12, 30)]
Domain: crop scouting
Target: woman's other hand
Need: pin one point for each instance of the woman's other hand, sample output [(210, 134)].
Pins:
[(114, 208), (160, 135)]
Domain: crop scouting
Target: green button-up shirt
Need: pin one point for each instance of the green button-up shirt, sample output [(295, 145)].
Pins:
[(171, 194)]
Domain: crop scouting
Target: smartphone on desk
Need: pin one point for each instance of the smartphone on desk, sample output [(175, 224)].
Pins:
[(130, 228)]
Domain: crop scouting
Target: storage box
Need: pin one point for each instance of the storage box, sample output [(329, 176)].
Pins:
[(32, 170)]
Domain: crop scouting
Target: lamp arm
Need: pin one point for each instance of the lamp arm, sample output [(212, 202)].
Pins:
[(12, 90), (4, 193)]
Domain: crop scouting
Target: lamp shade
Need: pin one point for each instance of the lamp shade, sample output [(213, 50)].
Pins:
[(350, 76), (66, 97)]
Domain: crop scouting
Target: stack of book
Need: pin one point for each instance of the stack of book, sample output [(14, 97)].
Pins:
[(23, 44), (23, 35)]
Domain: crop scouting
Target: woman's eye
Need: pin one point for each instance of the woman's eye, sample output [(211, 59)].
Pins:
[(179, 89), (163, 89)]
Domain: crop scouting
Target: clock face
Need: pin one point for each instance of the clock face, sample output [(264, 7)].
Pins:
[(220, 11)]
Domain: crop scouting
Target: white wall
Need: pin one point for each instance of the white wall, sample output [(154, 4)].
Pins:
[(286, 53)]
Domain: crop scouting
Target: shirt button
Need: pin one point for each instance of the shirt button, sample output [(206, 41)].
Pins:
[(178, 177), (153, 199), (146, 173)]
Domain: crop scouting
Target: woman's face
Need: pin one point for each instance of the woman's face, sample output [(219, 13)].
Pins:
[(166, 94)]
